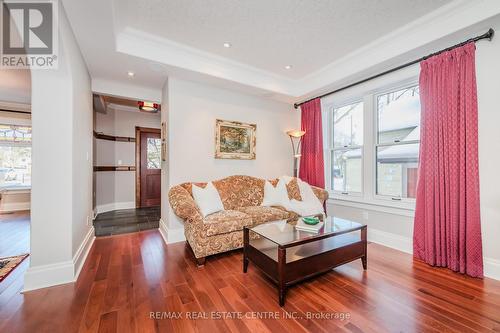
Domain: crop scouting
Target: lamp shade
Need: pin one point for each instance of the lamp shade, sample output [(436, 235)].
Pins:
[(296, 133)]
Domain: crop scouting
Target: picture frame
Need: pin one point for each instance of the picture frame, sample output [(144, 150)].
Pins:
[(235, 140)]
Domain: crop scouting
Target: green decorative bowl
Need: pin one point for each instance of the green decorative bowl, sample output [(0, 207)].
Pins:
[(310, 220)]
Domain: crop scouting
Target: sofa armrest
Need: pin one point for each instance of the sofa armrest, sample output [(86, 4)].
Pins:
[(184, 205), (322, 194)]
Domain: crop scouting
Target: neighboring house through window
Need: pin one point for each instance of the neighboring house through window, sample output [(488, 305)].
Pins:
[(398, 141)]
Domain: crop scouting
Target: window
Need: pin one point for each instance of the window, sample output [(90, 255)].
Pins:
[(15, 156), (154, 153), (347, 150), (398, 141)]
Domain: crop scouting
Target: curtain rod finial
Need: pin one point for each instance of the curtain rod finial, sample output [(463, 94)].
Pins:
[(295, 106), (491, 33)]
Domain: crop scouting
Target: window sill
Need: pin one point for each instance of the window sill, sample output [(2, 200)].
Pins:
[(384, 206), (15, 189)]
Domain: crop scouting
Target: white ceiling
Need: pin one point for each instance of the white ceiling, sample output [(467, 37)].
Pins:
[(271, 34), (328, 42)]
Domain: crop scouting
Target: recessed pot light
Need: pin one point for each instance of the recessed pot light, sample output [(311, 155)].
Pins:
[(288, 67), (227, 45), (130, 74)]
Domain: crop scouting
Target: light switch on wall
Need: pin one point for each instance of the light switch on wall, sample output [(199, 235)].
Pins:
[(365, 215), (119, 162)]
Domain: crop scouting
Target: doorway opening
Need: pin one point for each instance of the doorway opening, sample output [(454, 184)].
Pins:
[(127, 165), (15, 175)]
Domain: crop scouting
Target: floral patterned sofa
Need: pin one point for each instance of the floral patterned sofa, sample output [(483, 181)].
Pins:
[(222, 231)]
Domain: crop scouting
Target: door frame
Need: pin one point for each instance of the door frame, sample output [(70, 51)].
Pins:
[(138, 131)]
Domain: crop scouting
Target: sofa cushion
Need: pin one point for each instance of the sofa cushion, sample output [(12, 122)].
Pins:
[(262, 214), (274, 195), (225, 221), (207, 199), (293, 190)]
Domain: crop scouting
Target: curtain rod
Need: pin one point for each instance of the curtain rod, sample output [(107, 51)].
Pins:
[(488, 35)]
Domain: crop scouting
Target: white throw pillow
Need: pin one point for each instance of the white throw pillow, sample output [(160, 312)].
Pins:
[(286, 179), (310, 204), (207, 199), (275, 196)]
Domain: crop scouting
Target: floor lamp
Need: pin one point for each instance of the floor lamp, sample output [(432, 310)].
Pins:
[(296, 140)]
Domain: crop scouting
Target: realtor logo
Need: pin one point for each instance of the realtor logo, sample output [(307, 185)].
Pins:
[(29, 34)]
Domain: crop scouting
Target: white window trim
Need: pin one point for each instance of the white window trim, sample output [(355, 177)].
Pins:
[(367, 199)]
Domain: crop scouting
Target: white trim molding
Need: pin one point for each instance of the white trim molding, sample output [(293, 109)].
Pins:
[(405, 244), (83, 251), (394, 241), (378, 207), (491, 268), (171, 235), (114, 206), (62, 272)]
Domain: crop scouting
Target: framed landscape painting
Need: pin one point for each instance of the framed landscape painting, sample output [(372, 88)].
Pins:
[(234, 140)]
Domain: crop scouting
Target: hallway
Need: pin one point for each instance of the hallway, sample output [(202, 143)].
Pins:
[(127, 220)]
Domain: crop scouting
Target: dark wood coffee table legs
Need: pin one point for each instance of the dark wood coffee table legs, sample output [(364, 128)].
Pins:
[(281, 274), (364, 259), (245, 248)]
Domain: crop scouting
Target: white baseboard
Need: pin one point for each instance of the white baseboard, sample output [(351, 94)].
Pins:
[(171, 235), (405, 244), (59, 273), (14, 206), (115, 206), (48, 275), (398, 242), (492, 268), (83, 251)]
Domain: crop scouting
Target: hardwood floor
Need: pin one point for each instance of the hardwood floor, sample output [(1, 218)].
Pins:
[(127, 277), (14, 233)]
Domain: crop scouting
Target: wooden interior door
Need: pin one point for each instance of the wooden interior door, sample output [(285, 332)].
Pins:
[(148, 142)]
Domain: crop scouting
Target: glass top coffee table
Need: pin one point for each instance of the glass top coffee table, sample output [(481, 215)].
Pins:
[(288, 256)]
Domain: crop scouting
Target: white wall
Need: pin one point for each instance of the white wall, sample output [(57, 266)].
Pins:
[(395, 227), (487, 74), (192, 111), (116, 189), (61, 232)]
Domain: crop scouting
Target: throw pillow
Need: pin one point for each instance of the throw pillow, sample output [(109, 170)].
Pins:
[(275, 196), (207, 199), (293, 190), (310, 204)]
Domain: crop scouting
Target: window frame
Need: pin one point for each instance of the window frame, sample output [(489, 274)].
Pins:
[(392, 88), (26, 144), (332, 149), (366, 93)]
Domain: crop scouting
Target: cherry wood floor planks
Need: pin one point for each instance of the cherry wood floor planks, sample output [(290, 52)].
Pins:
[(136, 283)]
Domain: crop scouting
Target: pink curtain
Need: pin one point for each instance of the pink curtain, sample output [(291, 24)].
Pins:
[(311, 162), (447, 229)]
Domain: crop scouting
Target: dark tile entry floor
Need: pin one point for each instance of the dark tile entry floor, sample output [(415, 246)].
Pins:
[(127, 220)]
